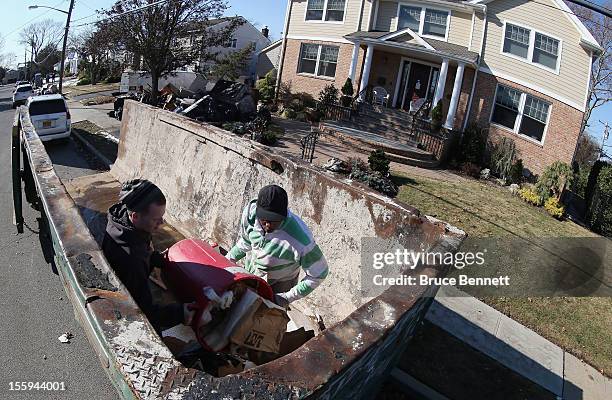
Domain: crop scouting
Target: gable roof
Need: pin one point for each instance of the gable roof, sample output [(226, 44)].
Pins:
[(586, 36), (410, 32)]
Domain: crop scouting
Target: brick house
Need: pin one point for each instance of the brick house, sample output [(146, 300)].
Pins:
[(519, 67)]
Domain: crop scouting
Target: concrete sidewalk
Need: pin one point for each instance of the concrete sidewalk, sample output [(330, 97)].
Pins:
[(517, 347), (97, 114)]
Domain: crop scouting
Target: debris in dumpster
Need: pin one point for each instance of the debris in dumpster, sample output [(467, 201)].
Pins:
[(65, 337)]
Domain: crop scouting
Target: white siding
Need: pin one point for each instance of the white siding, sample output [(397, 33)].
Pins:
[(459, 29), (387, 16), (570, 84), (298, 27)]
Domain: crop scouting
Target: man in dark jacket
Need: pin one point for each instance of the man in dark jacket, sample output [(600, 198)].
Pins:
[(128, 248)]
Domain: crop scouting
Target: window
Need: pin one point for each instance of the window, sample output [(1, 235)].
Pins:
[(534, 119), (517, 40), (318, 60), (532, 46), (424, 21), (514, 108), (409, 17), (325, 10), (545, 51), (232, 43), (47, 107), (327, 63), (435, 23)]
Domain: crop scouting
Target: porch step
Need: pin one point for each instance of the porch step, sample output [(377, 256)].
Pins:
[(366, 142)]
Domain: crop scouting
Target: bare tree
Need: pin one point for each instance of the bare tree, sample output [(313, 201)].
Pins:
[(163, 34), (41, 34), (587, 150), (600, 90), (94, 46)]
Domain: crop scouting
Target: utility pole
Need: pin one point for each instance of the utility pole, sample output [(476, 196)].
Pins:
[(64, 46)]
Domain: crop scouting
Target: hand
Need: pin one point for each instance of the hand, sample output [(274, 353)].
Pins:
[(189, 311), (280, 300)]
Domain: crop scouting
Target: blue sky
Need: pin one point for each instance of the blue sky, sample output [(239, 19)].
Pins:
[(259, 12)]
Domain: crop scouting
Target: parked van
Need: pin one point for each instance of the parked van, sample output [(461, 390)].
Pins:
[(50, 116)]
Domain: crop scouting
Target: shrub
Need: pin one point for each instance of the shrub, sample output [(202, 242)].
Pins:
[(599, 215), (581, 178), (516, 172), (238, 128), (379, 162), (436, 116), (84, 81), (592, 181), (113, 79), (374, 179), (347, 88), (553, 207), (328, 96), (289, 113), (267, 87), (472, 145), (554, 179), (530, 196), (503, 157), (470, 169)]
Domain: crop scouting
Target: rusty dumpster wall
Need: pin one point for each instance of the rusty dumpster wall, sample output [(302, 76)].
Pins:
[(208, 175)]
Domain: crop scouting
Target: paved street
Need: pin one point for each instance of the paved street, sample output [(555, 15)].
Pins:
[(33, 305)]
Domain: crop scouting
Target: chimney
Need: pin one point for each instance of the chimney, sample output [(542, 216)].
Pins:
[(265, 31)]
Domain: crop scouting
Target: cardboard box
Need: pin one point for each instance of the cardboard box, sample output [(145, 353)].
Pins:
[(262, 327)]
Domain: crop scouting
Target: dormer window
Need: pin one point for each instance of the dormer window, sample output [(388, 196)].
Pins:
[(425, 21), (325, 10)]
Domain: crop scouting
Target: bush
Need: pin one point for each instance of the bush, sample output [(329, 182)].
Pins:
[(374, 179), (379, 162), (267, 87), (599, 215), (113, 79), (237, 128), (289, 113), (555, 178), (347, 88), (592, 182), (473, 144), (516, 172), (503, 157), (470, 169), (555, 209), (328, 96), (581, 178), (530, 196), (84, 81), (436, 116)]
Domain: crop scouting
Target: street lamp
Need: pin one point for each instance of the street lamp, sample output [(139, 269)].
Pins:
[(69, 14)]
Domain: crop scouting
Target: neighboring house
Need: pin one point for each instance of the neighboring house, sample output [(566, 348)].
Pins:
[(519, 67), (268, 59), (245, 35), (11, 76), (71, 63)]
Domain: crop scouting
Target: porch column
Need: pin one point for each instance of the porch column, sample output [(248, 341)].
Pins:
[(452, 109), (366, 69), (353, 68), (441, 82)]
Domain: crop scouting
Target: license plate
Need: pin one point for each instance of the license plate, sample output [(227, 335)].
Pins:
[(46, 124)]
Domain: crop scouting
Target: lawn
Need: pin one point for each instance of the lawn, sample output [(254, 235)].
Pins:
[(580, 325), (73, 91)]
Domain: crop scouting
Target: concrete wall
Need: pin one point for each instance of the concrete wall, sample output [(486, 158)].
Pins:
[(208, 175)]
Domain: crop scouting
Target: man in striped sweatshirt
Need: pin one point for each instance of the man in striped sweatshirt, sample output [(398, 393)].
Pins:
[(278, 244)]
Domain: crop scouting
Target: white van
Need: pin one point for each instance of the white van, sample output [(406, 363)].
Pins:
[(50, 116), (21, 94)]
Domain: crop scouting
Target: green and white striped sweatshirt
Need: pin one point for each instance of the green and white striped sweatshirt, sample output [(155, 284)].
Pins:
[(277, 256)]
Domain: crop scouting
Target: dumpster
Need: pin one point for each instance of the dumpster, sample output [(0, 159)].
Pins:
[(208, 175)]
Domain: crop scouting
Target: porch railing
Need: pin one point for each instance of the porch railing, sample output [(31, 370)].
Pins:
[(337, 112)]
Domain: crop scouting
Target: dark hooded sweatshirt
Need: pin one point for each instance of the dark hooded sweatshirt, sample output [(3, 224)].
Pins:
[(131, 254)]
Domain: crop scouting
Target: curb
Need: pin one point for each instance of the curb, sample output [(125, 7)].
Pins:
[(516, 346), (92, 149)]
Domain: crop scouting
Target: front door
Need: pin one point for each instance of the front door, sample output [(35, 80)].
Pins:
[(417, 79)]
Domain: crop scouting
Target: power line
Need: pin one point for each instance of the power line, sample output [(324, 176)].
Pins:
[(123, 13)]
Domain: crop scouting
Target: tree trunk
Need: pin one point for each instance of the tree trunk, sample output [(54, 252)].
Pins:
[(154, 86)]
